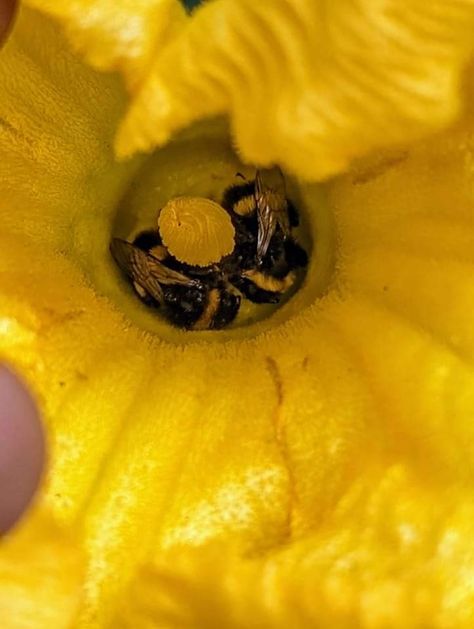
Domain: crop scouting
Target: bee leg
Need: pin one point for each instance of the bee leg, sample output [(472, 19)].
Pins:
[(254, 293), (296, 256)]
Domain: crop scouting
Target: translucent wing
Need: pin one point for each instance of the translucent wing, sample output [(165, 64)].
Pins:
[(134, 263), (272, 207), (145, 270)]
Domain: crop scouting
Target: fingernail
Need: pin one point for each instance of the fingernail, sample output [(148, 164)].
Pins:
[(7, 13), (22, 449)]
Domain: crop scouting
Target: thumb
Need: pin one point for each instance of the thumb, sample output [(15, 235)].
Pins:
[(22, 450), (7, 13)]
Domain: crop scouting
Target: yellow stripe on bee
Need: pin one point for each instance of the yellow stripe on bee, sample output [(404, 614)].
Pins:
[(267, 282), (245, 206), (205, 320), (159, 252)]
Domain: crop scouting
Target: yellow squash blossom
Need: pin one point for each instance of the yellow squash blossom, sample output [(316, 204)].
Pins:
[(311, 468)]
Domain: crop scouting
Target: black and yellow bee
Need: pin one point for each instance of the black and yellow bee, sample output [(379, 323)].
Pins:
[(196, 299), (262, 267), (263, 263)]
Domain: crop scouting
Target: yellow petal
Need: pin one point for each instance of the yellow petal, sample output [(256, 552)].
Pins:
[(310, 85), (388, 524), (117, 34), (331, 435), (40, 576), (126, 464), (57, 119), (311, 438)]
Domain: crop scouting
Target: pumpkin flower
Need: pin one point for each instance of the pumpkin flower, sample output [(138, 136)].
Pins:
[(310, 465)]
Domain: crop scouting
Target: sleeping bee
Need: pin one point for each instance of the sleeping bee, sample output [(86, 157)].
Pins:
[(262, 266), (196, 301)]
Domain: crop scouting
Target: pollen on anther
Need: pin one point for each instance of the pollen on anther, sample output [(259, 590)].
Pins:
[(196, 231)]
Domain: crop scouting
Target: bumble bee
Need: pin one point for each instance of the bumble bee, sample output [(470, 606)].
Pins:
[(262, 266), (192, 298)]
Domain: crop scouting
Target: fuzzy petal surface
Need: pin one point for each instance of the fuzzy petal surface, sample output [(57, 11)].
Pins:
[(313, 469), (309, 84)]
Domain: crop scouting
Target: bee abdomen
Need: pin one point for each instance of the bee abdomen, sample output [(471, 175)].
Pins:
[(228, 309), (184, 305), (206, 320), (254, 293)]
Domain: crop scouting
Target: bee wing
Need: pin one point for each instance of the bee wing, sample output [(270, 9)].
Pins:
[(272, 207), (135, 263), (266, 227), (165, 275), (145, 269)]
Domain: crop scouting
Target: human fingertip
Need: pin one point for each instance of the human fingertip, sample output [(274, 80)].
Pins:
[(22, 449)]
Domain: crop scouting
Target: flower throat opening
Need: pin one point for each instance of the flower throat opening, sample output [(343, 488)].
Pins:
[(202, 258), (204, 242)]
